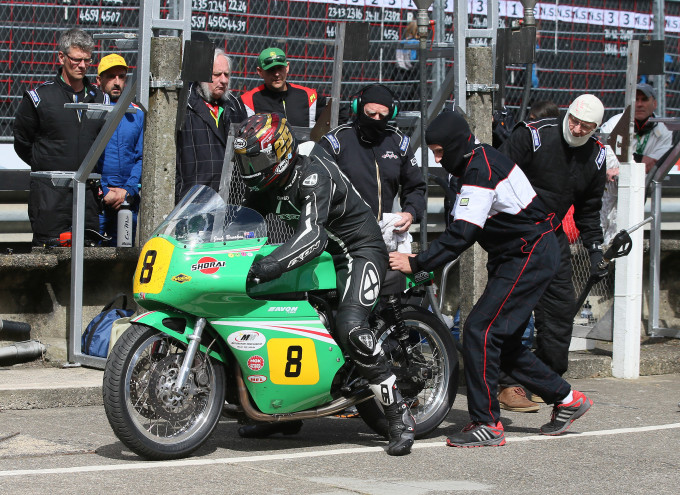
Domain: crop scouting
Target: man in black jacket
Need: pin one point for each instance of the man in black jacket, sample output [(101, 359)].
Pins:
[(312, 195), (211, 109), (299, 104), (566, 165), (377, 158), (49, 138), (497, 207)]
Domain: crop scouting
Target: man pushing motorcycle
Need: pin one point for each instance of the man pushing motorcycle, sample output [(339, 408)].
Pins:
[(311, 194)]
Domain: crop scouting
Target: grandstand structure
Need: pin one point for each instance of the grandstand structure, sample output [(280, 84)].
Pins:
[(581, 44)]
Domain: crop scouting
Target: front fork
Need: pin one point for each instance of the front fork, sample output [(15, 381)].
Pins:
[(190, 355)]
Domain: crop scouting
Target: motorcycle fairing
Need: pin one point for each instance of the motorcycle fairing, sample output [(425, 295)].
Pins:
[(288, 365)]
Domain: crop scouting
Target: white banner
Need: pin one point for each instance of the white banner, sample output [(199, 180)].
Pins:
[(544, 11)]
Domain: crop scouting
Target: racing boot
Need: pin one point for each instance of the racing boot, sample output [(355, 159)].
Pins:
[(263, 430), (401, 424)]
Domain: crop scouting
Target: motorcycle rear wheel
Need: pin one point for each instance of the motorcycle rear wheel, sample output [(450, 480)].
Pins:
[(432, 352), (145, 413)]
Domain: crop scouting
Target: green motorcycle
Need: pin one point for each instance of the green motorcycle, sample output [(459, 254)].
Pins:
[(266, 349)]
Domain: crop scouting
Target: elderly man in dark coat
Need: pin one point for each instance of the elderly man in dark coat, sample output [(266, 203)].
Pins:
[(211, 109)]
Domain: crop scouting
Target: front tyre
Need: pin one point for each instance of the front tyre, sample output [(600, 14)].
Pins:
[(425, 363), (146, 414)]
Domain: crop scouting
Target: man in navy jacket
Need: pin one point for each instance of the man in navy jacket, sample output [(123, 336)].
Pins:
[(121, 161)]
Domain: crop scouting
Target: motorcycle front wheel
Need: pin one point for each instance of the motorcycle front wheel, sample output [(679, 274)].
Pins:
[(146, 413), (425, 362)]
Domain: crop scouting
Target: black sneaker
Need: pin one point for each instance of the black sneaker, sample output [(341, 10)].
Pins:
[(401, 428), (563, 415), (478, 434)]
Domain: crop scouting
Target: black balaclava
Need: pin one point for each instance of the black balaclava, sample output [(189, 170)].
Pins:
[(452, 133), (372, 130)]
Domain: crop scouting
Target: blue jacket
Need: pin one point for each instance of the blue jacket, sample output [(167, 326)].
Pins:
[(121, 161)]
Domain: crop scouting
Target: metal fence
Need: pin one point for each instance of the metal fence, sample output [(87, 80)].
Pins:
[(581, 43)]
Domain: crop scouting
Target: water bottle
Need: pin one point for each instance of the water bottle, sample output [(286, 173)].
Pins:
[(587, 311), (124, 238)]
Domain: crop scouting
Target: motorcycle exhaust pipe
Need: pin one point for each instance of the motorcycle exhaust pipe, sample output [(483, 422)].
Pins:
[(15, 329), (21, 352), (318, 412)]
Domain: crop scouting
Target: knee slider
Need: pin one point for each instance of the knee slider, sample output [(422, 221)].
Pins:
[(362, 341)]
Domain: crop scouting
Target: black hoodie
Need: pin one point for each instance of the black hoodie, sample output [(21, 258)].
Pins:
[(495, 203)]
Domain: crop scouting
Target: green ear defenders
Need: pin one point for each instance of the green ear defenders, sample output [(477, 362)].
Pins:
[(356, 103)]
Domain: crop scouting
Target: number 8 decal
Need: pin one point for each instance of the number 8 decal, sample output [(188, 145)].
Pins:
[(293, 361), (147, 267)]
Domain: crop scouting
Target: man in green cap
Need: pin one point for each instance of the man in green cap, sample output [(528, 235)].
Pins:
[(299, 104)]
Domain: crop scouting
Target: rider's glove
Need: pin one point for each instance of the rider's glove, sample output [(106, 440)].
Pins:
[(265, 270), (596, 259)]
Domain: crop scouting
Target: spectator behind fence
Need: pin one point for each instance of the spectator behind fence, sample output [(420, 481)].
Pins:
[(378, 160), (542, 109), (299, 104), (497, 207), (565, 165), (407, 69), (211, 109), (650, 141), (49, 138), (120, 164)]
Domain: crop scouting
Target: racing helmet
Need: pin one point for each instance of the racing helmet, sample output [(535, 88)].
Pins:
[(265, 148)]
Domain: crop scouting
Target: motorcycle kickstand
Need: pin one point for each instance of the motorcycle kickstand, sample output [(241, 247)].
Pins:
[(190, 355)]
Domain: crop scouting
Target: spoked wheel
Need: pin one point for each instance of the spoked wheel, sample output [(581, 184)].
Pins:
[(145, 412), (425, 363)]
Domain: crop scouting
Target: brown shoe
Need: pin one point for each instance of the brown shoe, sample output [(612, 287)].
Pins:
[(515, 399), (537, 398)]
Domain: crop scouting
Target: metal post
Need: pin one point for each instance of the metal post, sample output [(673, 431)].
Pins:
[(628, 276), (423, 21), (658, 13), (78, 226), (337, 72), (438, 68)]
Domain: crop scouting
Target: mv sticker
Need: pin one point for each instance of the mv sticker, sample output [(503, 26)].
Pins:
[(246, 340), (257, 378), (256, 363), (207, 265)]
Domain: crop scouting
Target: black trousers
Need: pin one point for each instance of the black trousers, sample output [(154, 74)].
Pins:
[(50, 210), (360, 275), (492, 335), (554, 313)]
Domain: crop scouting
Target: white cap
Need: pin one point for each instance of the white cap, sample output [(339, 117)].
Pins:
[(588, 108)]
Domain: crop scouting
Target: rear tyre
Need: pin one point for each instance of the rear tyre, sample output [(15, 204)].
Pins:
[(146, 414), (426, 367)]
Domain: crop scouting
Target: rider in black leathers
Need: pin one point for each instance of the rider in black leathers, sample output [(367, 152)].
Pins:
[(311, 194)]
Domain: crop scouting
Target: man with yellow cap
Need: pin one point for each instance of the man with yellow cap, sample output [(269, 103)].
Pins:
[(121, 162)]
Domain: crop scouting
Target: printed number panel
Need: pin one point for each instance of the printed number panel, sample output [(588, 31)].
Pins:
[(152, 266), (292, 361)]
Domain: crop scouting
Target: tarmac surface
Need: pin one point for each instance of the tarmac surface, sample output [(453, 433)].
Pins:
[(39, 385), (627, 443)]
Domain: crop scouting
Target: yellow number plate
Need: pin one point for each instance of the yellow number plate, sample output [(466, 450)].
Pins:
[(152, 266), (292, 362)]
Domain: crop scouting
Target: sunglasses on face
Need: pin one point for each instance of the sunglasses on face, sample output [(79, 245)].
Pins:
[(78, 61), (278, 58)]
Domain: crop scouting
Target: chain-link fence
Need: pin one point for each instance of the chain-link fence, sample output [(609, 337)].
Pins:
[(581, 46)]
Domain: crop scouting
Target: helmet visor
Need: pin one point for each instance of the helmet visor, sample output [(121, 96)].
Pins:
[(250, 165)]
